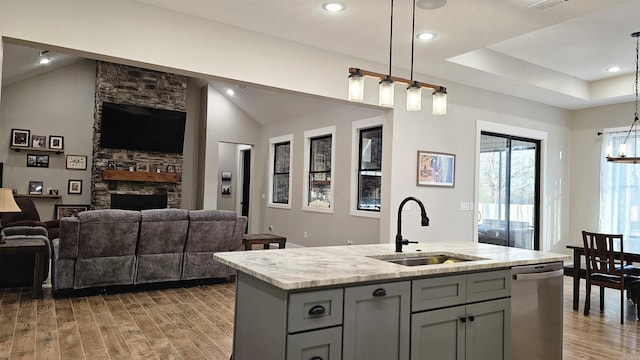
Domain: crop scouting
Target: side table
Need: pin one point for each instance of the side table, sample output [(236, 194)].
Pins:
[(28, 246), (265, 239)]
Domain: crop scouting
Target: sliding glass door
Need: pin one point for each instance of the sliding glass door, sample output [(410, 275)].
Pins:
[(509, 186)]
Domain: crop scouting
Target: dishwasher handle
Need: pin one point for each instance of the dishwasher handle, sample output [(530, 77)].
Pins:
[(539, 275)]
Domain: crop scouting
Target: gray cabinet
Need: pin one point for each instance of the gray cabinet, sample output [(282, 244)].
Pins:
[(461, 317), (447, 317), (376, 321)]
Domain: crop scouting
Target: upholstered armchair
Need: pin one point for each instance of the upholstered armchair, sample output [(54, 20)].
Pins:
[(30, 217)]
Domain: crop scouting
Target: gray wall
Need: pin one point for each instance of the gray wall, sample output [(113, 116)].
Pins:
[(228, 161)]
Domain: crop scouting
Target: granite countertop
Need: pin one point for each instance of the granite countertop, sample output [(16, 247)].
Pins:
[(302, 268)]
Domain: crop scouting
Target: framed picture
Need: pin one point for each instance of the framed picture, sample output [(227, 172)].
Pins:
[(171, 168), (142, 166), (75, 187), (39, 141), (20, 137), (61, 211), (226, 176), (77, 162), (35, 187), (436, 169), (56, 142), (34, 160), (226, 190)]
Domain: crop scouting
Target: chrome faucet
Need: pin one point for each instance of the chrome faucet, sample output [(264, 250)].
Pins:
[(425, 222)]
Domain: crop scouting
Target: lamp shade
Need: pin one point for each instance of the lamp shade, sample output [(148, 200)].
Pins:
[(7, 203), (440, 102), (386, 93), (356, 87), (414, 98)]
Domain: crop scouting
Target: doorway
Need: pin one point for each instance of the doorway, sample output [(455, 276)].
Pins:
[(234, 163), (509, 191)]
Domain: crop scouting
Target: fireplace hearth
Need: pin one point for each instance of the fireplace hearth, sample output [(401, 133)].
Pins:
[(138, 202)]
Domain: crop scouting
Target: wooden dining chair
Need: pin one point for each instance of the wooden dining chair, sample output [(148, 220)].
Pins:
[(605, 258)]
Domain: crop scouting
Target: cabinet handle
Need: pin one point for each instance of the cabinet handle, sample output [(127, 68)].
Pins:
[(317, 310), (463, 319), (316, 358), (471, 318), (380, 292)]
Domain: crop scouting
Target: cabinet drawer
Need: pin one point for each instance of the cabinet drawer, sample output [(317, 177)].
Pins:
[(488, 285), (438, 292), (323, 344), (315, 309)]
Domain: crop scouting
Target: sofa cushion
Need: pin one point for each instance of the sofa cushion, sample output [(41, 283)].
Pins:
[(108, 233)]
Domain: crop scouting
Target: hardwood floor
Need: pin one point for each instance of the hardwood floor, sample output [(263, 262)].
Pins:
[(197, 323)]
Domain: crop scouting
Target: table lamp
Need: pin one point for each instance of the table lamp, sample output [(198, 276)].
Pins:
[(7, 204)]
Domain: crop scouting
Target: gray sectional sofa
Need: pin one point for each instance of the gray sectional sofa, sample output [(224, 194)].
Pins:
[(101, 248)]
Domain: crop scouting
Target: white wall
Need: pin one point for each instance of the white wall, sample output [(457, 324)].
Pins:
[(56, 103), (586, 147), (196, 47)]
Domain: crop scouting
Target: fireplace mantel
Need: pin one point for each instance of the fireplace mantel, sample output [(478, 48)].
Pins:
[(144, 176)]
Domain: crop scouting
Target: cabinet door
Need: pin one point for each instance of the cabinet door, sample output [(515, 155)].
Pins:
[(376, 321), (438, 334), (488, 333), (315, 345)]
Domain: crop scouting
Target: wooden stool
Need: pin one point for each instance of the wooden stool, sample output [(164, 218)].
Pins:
[(265, 239)]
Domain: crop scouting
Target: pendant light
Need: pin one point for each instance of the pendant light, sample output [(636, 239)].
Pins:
[(414, 91), (622, 151), (386, 86)]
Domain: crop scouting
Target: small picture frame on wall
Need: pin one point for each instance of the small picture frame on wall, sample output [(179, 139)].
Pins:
[(34, 160), (436, 169), (35, 187), (142, 166), (56, 142), (226, 190), (20, 137), (75, 187), (38, 141), (77, 162), (171, 168), (226, 176)]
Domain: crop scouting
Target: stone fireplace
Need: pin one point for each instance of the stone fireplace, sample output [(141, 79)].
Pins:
[(123, 84)]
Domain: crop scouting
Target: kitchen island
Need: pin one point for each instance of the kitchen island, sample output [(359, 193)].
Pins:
[(351, 302)]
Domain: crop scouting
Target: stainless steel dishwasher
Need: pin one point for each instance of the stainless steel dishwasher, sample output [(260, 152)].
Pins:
[(536, 312)]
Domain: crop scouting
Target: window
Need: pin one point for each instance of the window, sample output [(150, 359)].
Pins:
[(318, 162), (619, 188), (369, 169), (280, 169)]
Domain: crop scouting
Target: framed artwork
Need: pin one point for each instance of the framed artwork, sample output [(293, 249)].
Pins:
[(35, 187), (56, 142), (226, 176), (34, 160), (39, 141), (61, 211), (226, 190), (171, 168), (436, 169), (20, 137), (77, 162), (142, 166), (75, 187)]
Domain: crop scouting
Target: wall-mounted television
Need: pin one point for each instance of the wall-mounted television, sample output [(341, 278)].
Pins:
[(133, 127)]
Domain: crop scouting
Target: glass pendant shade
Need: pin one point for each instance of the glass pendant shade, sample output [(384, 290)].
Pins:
[(439, 102), (414, 98), (356, 87), (386, 93), (622, 151)]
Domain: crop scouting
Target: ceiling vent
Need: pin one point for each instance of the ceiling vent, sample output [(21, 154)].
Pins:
[(546, 4)]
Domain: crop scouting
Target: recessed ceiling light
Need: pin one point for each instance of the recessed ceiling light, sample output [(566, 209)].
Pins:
[(426, 36), (614, 69), (230, 92), (333, 7)]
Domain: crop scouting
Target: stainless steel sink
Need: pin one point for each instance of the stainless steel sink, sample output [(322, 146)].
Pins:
[(426, 260)]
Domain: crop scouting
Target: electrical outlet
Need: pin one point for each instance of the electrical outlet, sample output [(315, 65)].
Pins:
[(349, 242), (270, 227), (305, 234)]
